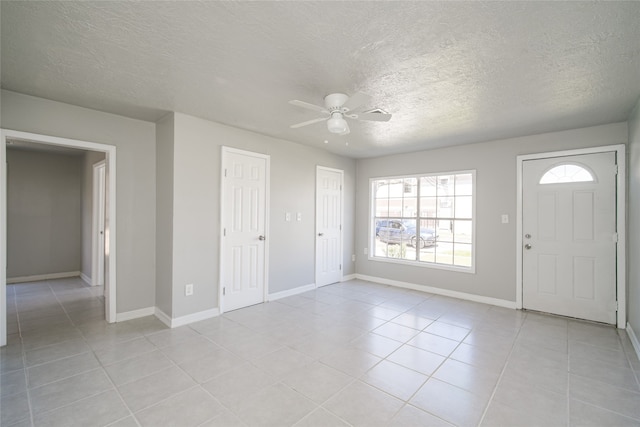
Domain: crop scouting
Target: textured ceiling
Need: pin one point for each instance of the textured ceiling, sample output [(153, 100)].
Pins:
[(449, 72)]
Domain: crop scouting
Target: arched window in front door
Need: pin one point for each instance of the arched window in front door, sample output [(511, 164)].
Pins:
[(567, 173)]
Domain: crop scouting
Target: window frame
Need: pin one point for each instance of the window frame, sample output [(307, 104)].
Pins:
[(371, 240)]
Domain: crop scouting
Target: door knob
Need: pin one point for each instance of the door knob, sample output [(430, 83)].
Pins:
[(320, 234), (261, 238), (527, 246)]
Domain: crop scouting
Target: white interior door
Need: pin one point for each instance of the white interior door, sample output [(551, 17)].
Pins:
[(569, 236), (328, 226), (244, 208)]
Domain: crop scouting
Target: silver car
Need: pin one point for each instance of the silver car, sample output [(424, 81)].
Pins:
[(399, 231)]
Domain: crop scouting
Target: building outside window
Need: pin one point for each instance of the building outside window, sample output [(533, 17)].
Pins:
[(425, 220)]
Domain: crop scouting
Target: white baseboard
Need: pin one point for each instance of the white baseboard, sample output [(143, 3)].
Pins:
[(135, 314), (38, 277), (162, 316), (86, 279), (349, 277), (440, 291), (185, 320), (291, 292), (634, 339)]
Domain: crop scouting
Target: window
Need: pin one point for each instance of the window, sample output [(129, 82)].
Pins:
[(566, 173), (425, 220)]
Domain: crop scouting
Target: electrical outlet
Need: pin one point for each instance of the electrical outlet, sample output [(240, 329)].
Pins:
[(353, 257), (505, 219), (366, 251), (188, 290)]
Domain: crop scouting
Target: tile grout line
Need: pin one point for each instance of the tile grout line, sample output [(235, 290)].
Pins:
[(24, 363), (509, 360), (502, 371), (174, 365), (101, 366), (612, 385)]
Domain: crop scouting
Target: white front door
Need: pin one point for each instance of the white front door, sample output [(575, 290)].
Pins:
[(569, 236), (244, 208), (328, 226)]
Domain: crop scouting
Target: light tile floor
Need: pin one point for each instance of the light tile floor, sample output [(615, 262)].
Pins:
[(354, 353)]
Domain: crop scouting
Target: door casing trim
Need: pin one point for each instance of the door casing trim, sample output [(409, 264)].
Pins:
[(621, 281), (97, 204)]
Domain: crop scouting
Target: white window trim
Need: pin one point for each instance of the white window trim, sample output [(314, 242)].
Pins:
[(423, 264)]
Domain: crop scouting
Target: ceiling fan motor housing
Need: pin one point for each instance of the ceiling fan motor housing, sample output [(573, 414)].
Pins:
[(335, 101)]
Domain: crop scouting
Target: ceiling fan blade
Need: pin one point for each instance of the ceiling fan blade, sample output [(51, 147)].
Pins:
[(356, 101), (308, 106), (374, 117), (308, 122)]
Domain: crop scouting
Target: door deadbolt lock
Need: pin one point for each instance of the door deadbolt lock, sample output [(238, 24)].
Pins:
[(527, 236)]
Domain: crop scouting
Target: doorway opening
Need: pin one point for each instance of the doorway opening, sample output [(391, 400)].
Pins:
[(108, 153)]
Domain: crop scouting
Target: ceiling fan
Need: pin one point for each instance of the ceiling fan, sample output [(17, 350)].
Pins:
[(337, 106)]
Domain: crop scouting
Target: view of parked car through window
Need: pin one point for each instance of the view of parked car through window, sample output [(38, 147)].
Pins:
[(426, 219), (405, 231)]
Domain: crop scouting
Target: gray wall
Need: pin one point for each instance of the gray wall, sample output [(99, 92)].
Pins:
[(164, 214), (135, 188), (196, 215), (634, 220), (88, 160), (495, 163), (44, 219)]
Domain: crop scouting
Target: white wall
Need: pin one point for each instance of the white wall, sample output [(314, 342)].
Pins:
[(135, 187), (633, 303), (495, 163), (88, 160), (196, 214), (44, 221)]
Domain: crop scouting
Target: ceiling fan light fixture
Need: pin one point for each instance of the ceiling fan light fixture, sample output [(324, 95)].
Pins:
[(337, 124)]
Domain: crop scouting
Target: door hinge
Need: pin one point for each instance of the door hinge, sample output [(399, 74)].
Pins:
[(615, 169), (615, 305), (224, 232), (225, 173), (615, 237), (340, 266), (224, 291)]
